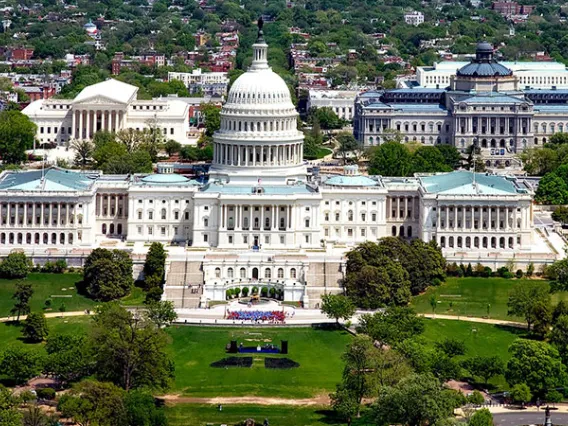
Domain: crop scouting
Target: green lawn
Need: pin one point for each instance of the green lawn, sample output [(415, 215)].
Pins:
[(60, 288), (202, 415), (470, 297), (317, 351), (479, 339)]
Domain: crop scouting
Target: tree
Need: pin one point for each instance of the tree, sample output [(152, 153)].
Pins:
[(172, 147), (9, 413), (485, 367), (559, 336), (359, 371), (105, 151), (68, 357), (558, 139), (526, 300), (520, 393), (16, 265), (21, 363), (476, 398), (83, 152), (130, 138), (389, 159), (416, 400), (33, 415), (558, 273), (560, 214), (537, 364), (326, 117), (560, 309), (212, 118), (451, 346), (141, 410), (452, 157), (551, 190), (428, 159), (344, 403), (433, 303), (337, 306), (131, 350), (22, 296), (94, 403), (108, 274), (35, 327), (17, 134), (347, 143), (161, 313), (482, 417), (392, 325)]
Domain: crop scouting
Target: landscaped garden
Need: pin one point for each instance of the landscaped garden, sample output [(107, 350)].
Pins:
[(475, 297)]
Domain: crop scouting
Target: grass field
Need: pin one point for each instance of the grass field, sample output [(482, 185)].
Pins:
[(60, 288), (317, 351), (479, 339), (470, 297), (202, 415)]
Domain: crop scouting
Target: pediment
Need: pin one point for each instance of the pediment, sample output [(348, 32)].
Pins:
[(99, 100)]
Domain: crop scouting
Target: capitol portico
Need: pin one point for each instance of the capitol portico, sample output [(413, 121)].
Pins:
[(261, 219)]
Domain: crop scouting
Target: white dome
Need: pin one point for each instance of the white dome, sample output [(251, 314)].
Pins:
[(260, 87)]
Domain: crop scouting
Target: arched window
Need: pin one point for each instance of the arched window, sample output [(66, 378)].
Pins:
[(205, 222), (442, 242), (451, 242), (267, 273), (217, 272), (401, 231), (104, 229), (393, 231), (293, 273), (280, 273), (409, 232), (230, 273), (163, 214), (511, 242), (242, 273), (350, 215)]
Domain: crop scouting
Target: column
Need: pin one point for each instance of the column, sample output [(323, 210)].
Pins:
[(81, 125), (50, 214), (250, 220), (88, 120), (74, 125), (58, 214), (16, 218), (274, 216), (34, 214), (116, 205), (103, 121), (397, 215), (447, 217), (41, 208), (238, 215), (498, 222), (464, 217), (405, 215), (67, 208), (262, 217), (489, 218), (239, 155), (288, 216), (108, 206)]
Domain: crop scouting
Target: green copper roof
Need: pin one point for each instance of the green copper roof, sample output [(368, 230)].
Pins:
[(165, 178), (54, 179), (465, 183)]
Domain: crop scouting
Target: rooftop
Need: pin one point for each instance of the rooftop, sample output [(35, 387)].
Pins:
[(112, 89), (54, 179), (351, 181), (266, 190), (468, 183)]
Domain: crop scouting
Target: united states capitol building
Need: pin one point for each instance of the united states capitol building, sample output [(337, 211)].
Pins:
[(261, 218)]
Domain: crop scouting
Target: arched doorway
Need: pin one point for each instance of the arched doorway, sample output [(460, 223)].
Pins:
[(255, 273)]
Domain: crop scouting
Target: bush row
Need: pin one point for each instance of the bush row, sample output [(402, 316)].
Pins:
[(455, 270), (275, 293)]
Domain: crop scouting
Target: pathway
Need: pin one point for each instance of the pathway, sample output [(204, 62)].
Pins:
[(238, 400), (50, 315), (476, 319)]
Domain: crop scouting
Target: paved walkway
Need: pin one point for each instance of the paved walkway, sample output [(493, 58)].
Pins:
[(476, 319), (239, 400), (50, 315)]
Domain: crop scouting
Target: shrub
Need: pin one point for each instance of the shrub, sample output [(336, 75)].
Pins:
[(272, 292), (47, 304), (476, 398), (487, 271), (519, 273), (48, 267), (228, 294), (35, 327), (60, 266), (46, 393), (245, 291), (436, 282), (236, 291), (254, 290), (16, 265), (264, 291)]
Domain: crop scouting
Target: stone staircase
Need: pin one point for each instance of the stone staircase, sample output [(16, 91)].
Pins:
[(184, 284)]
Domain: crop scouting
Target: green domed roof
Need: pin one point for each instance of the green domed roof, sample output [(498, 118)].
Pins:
[(351, 181)]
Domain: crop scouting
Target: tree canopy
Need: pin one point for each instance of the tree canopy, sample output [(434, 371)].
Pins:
[(108, 274), (17, 134)]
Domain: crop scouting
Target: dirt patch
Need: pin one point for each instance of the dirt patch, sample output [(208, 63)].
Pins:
[(238, 400)]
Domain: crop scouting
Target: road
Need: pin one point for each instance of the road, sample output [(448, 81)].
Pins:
[(528, 418)]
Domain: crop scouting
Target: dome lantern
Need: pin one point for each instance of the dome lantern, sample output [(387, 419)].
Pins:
[(260, 50)]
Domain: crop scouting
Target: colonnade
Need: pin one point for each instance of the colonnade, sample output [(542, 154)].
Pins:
[(245, 217), (38, 238), (111, 205), (27, 214), (258, 155), (86, 122), (403, 208), (489, 218)]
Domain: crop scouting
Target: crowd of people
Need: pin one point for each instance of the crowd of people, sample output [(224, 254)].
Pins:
[(257, 316)]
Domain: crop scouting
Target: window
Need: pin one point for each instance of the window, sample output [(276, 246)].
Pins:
[(307, 223), (176, 215), (205, 222), (374, 217), (217, 272), (150, 230), (267, 273), (205, 238), (280, 273), (150, 215), (186, 215), (139, 229), (163, 214), (230, 239), (362, 232), (281, 239), (349, 232), (163, 230), (139, 214), (242, 273), (230, 273)]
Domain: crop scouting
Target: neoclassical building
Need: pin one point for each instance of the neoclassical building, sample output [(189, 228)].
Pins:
[(261, 218), (484, 103), (110, 105)]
